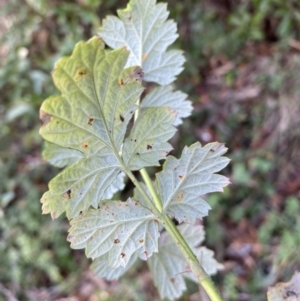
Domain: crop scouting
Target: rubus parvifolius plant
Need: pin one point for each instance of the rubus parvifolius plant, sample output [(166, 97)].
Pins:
[(86, 130)]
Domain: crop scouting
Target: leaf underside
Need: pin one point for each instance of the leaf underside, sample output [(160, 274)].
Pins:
[(146, 144), (92, 102), (143, 28), (84, 128), (117, 230), (101, 268), (81, 185), (182, 181), (169, 267), (61, 156), (90, 118), (165, 96)]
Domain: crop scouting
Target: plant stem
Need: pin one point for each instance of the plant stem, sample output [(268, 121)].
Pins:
[(203, 279), (152, 190)]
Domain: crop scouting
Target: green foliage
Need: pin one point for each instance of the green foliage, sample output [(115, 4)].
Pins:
[(97, 101), (168, 263), (282, 227), (282, 18), (37, 33)]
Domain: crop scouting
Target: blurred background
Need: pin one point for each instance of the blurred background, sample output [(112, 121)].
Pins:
[(242, 74)]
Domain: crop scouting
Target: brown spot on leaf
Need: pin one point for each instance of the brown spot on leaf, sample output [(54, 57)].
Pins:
[(179, 197), (149, 146), (85, 145), (69, 192), (44, 118), (172, 279), (90, 122), (82, 72), (121, 82), (121, 118), (145, 55), (138, 74), (141, 240), (180, 177), (116, 241), (122, 255)]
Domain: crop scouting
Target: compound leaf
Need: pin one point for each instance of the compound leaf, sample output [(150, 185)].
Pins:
[(60, 156), (146, 144), (164, 96), (143, 28), (93, 102), (81, 185), (169, 267), (101, 268), (182, 181), (117, 228)]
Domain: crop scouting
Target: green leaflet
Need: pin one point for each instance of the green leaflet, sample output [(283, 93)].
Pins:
[(169, 267), (165, 96), (146, 144), (182, 181), (84, 128), (93, 100), (117, 228), (81, 185), (89, 118), (143, 28)]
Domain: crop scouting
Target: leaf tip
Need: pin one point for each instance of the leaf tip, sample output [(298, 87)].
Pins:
[(70, 238)]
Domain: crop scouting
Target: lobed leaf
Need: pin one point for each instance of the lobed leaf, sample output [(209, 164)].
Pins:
[(164, 96), (143, 28), (89, 118), (182, 181), (169, 267), (82, 185), (146, 144), (117, 228), (94, 102)]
